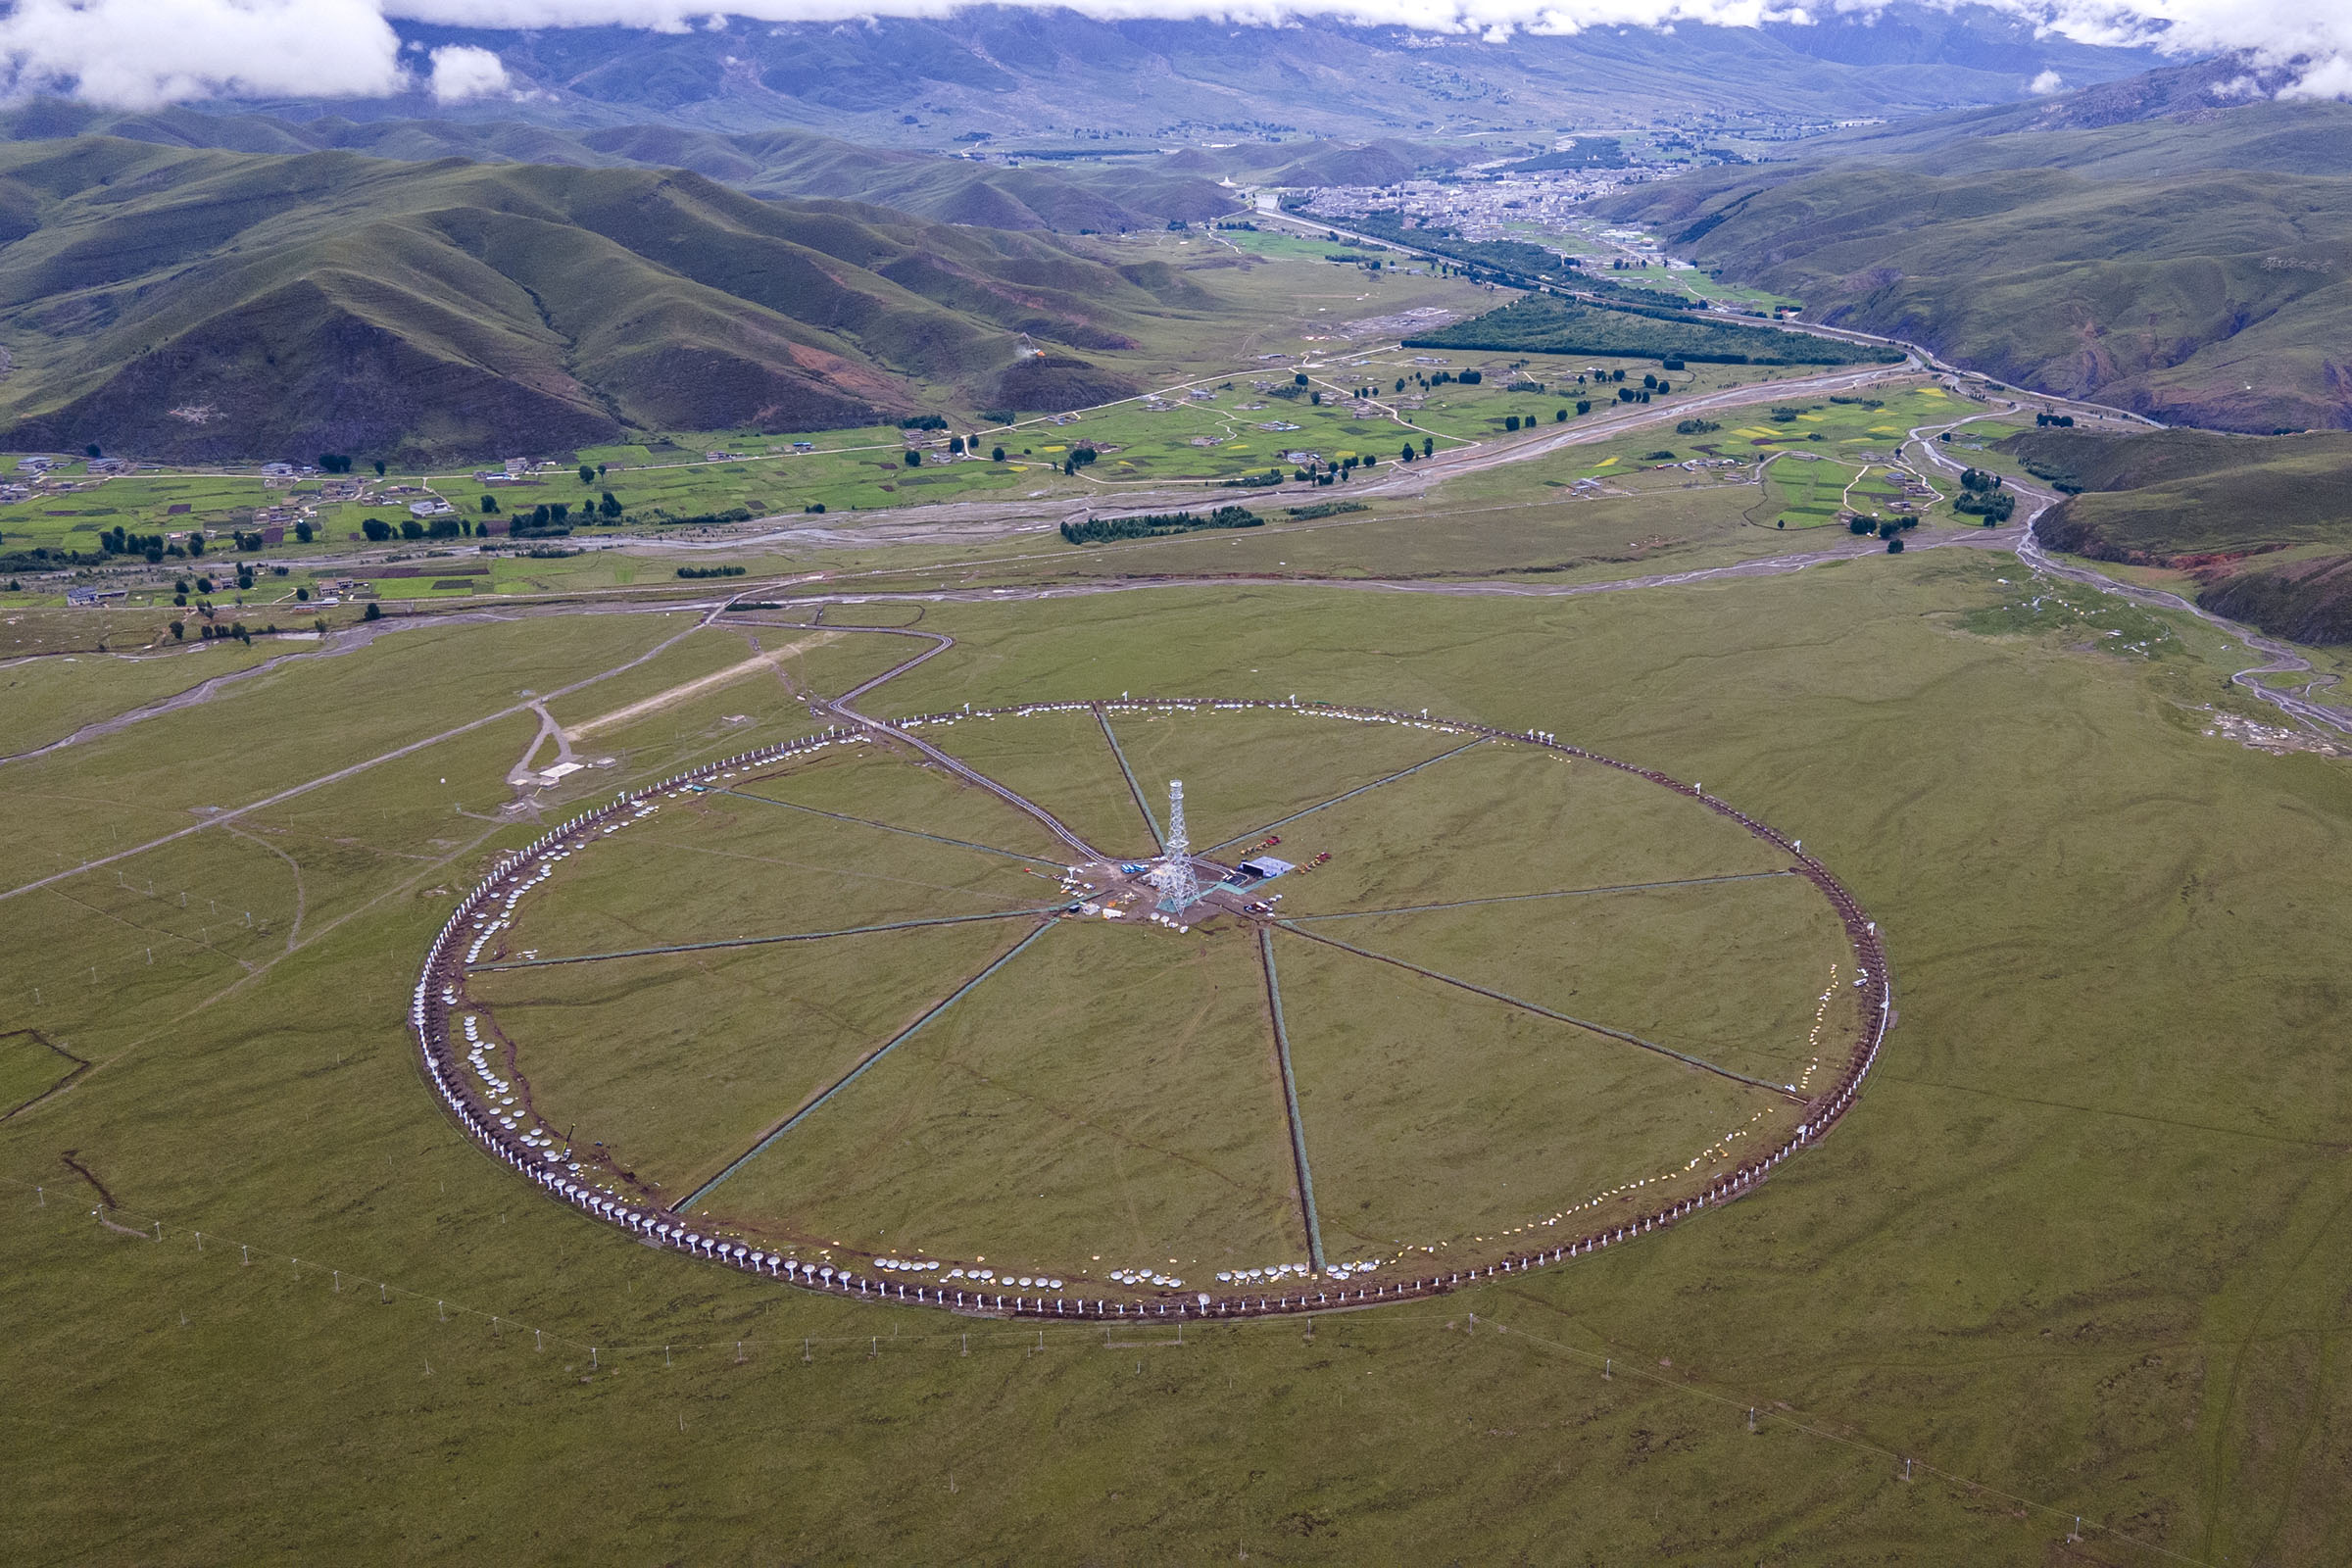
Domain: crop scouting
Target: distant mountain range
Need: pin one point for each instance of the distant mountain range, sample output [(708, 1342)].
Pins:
[(2164, 244), (1067, 196), (1067, 189), (213, 305), (1022, 74)]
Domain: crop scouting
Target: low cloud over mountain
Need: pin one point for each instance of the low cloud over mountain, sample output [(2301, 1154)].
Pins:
[(145, 53)]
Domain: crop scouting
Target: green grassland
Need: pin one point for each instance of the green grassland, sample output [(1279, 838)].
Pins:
[(687, 987), (1510, 820), (732, 1041), (49, 698), (1805, 495), (1728, 972), (1243, 771), (1519, 520), (723, 865), (1091, 1105), (2075, 1251), (29, 1067), (1062, 761), (1519, 1125), (2259, 524)]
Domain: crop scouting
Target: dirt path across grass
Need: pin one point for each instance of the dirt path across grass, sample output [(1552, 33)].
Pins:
[(758, 663), (221, 818)]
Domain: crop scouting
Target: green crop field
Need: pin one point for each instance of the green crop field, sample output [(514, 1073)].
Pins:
[(1546, 324)]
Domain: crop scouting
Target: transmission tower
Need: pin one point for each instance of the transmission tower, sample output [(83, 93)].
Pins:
[(1179, 888)]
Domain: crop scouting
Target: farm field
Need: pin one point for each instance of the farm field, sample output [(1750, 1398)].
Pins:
[(1206, 421)]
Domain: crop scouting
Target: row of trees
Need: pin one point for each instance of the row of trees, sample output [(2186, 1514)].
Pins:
[(1154, 524)]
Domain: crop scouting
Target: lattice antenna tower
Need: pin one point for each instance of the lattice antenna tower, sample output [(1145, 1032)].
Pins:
[(1179, 888)]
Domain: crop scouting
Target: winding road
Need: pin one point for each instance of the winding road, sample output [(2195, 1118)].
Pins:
[(2281, 658)]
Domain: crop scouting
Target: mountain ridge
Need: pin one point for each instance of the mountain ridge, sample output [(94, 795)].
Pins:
[(2196, 269), (209, 305)]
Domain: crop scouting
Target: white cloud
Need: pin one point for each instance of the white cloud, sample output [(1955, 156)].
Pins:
[(2048, 82), (2330, 79), (462, 72), (142, 53)]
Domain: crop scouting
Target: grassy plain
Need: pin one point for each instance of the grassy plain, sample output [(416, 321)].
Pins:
[(1062, 762), (1519, 1125), (673, 1065), (1093, 1105), (48, 699), (29, 1067), (1731, 972), (1245, 770), (2077, 1252)]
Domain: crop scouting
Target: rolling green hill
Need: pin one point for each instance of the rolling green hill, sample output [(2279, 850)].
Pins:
[(777, 161), (2265, 523), (949, 190), (212, 306), (2197, 270)]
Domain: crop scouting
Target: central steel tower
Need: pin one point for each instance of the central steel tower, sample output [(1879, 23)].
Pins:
[(1179, 888)]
